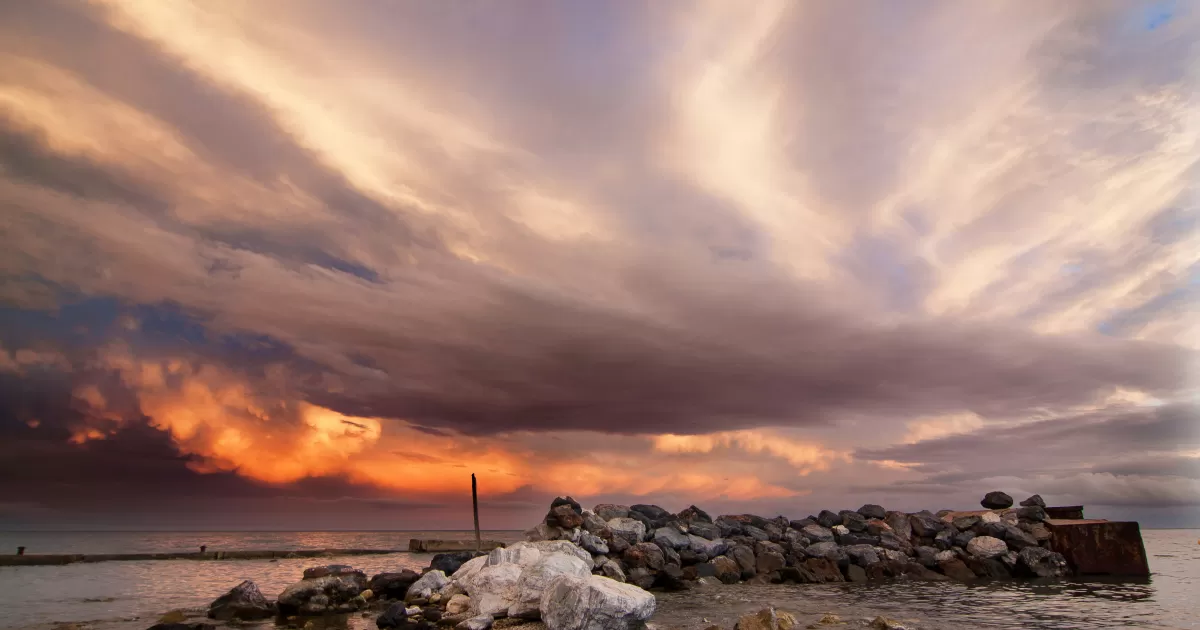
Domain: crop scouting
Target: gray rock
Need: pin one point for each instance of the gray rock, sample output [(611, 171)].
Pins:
[(744, 557), (944, 539), (632, 530), (853, 521), (817, 533), (645, 555), (1035, 513), (755, 532), (609, 511), (888, 540), (542, 531), (900, 525), (594, 603), (592, 522), (996, 500), (925, 524), (962, 539), (768, 562), (322, 595), (1034, 500), (828, 549), (726, 569), (1017, 539), (448, 563), (613, 571), (640, 577), (871, 510), (672, 538), (966, 521), (1035, 561), (704, 530), (828, 519), (862, 555), (927, 556), (986, 547), (593, 543), (243, 601), (396, 616), (766, 546), (393, 585)]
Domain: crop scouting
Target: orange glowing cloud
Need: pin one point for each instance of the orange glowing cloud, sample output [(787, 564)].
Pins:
[(226, 425), (805, 457)]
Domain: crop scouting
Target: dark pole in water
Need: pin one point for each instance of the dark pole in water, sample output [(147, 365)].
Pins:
[(21, 550), (475, 506)]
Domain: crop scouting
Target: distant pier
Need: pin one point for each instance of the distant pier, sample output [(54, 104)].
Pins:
[(34, 559)]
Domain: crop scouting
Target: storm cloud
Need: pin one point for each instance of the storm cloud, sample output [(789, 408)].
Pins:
[(597, 238)]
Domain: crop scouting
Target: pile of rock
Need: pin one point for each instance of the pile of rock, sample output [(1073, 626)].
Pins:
[(550, 581), (652, 548)]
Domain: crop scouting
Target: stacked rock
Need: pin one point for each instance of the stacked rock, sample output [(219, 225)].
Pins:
[(648, 546)]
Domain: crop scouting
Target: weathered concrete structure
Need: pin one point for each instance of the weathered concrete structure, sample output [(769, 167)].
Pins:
[(1098, 547), (427, 545)]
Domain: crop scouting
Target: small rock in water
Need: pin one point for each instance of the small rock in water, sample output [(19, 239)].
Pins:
[(996, 500), (482, 622), (243, 601), (174, 616), (883, 623), (767, 619)]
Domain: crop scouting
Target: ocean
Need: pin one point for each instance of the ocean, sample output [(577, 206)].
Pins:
[(132, 595)]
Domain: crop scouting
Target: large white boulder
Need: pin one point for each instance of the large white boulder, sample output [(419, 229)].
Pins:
[(535, 578), (594, 603), (469, 568), (493, 589)]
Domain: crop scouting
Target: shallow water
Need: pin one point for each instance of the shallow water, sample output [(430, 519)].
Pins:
[(131, 595)]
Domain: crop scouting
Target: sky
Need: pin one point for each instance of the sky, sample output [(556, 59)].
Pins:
[(272, 264)]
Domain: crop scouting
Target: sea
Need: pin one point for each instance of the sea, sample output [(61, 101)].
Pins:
[(132, 595)]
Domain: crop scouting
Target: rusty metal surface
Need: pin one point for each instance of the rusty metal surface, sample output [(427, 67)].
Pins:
[(1100, 547), (1065, 511)]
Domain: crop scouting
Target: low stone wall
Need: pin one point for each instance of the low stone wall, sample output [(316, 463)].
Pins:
[(648, 546)]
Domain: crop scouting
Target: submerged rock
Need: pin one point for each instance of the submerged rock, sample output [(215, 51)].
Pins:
[(243, 601), (1039, 562), (393, 585), (334, 591), (767, 619)]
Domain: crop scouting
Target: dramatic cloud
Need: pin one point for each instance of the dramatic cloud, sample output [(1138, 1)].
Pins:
[(796, 256)]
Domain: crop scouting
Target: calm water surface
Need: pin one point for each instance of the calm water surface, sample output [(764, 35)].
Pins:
[(131, 595)]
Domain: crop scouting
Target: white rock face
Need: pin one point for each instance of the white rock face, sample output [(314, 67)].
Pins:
[(493, 589), (986, 547), (428, 584), (563, 546), (469, 568), (594, 603), (534, 579), (522, 553)]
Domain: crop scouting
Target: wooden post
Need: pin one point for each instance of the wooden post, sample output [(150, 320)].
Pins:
[(475, 506)]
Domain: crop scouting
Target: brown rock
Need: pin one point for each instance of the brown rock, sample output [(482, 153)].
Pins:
[(957, 570)]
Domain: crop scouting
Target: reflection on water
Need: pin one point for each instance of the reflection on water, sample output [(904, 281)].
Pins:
[(131, 595)]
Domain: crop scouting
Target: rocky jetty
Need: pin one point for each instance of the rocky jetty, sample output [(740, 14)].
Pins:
[(594, 569), (647, 546)]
